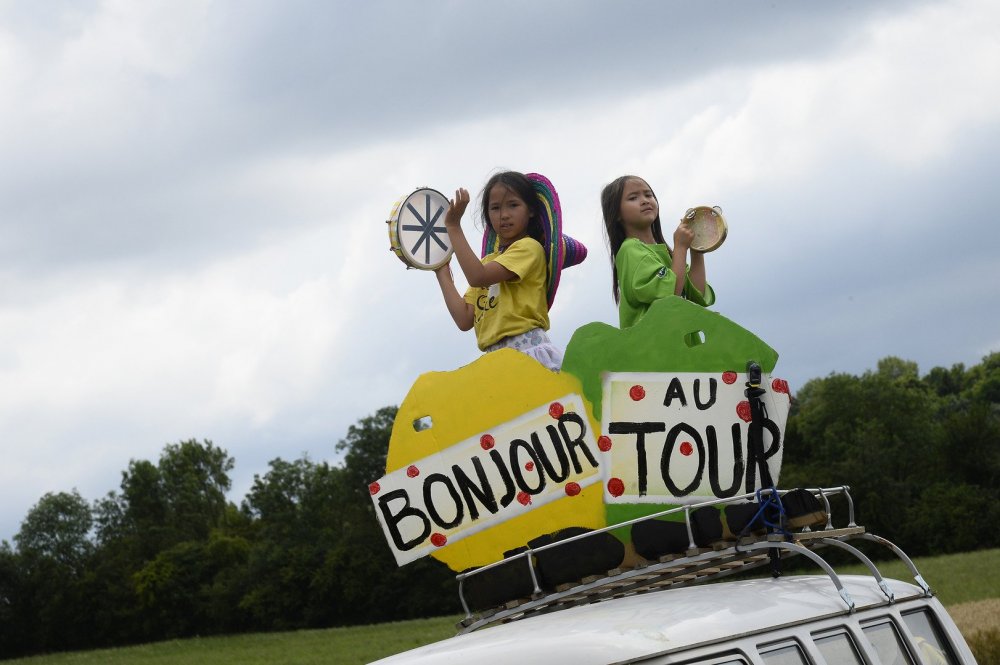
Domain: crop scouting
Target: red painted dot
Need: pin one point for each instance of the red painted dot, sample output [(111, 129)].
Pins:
[(523, 498), (374, 488), (729, 378), (637, 393), (412, 471), (486, 441), (556, 409), (686, 448), (781, 386), (438, 539), (604, 443), (572, 489), (743, 411), (529, 466), (616, 487)]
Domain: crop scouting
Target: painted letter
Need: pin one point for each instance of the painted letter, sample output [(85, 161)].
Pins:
[(714, 461), (392, 520), (712, 387), (578, 442), (675, 391), (482, 491), (429, 500), (640, 430), (668, 447)]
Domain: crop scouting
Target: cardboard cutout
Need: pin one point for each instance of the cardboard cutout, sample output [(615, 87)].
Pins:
[(488, 458), (674, 417)]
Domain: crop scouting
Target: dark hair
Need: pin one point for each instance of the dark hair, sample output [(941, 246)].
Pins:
[(611, 206), (520, 185)]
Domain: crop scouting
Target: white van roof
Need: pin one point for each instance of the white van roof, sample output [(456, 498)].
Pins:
[(640, 625)]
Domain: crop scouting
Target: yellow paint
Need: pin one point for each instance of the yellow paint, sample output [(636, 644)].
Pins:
[(496, 388)]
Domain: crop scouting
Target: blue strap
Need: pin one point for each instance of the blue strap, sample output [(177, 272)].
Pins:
[(773, 499)]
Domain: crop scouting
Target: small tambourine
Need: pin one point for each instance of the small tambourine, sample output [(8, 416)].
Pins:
[(416, 229), (709, 227)]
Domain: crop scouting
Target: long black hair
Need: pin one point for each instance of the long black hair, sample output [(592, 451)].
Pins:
[(519, 184), (611, 207)]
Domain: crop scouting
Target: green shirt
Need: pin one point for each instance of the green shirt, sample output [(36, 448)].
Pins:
[(645, 275)]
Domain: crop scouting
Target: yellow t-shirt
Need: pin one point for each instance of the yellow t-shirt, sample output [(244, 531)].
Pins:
[(516, 305)]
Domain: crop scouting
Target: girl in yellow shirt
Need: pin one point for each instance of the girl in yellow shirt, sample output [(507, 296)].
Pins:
[(514, 283)]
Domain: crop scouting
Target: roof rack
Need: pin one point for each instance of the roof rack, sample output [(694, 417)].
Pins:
[(695, 566)]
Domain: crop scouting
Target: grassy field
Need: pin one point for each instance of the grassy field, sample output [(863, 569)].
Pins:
[(954, 578), (968, 584)]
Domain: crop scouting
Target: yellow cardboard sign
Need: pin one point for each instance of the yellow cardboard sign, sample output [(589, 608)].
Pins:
[(502, 437)]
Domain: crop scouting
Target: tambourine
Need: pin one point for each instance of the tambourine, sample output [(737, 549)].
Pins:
[(709, 227), (416, 229)]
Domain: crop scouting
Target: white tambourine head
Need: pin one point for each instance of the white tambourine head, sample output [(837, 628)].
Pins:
[(709, 227), (417, 233)]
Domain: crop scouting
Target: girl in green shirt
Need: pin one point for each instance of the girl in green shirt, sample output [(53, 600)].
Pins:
[(642, 265)]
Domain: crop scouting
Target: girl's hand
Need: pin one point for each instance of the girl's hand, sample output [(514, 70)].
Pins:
[(444, 270), (456, 207), (683, 236)]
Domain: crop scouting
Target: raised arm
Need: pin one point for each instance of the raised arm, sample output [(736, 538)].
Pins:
[(695, 277), (461, 311), (678, 257), (698, 278), (475, 272)]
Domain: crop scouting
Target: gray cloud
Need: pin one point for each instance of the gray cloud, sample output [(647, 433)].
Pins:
[(192, 196), (152, 170)]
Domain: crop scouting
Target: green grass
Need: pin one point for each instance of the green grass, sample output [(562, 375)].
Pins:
[(957, 578), (954, 578), (333, 646)]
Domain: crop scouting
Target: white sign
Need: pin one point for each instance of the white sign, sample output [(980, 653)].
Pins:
[(686, 437), (544, 455)]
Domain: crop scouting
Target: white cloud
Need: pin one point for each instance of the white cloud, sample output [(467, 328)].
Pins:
[(245, 292)]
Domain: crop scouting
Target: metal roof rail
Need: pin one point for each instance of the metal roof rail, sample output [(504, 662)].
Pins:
[(695, 566)]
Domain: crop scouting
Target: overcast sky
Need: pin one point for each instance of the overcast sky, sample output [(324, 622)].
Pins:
[(193, 196)]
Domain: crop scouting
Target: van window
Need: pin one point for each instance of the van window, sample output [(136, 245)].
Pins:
[(785, 655), (885, 639), (933, 648), (838, 648)]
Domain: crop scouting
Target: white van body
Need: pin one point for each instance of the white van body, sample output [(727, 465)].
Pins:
[(785, 620), (674, 611)]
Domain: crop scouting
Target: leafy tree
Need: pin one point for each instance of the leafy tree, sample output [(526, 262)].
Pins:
[(13, 621), (374, 587), (917, 453), (947, 381), (54, 551), (894, 368), (195, 479), (296, 509), (182, 498), (57, 528), (166, 555), (984, 380), (952, 517), (970, 452), (163, 513), (179, 590), (365, 449)]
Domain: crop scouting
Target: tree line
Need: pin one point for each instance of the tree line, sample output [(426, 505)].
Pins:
[(168, 556)]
